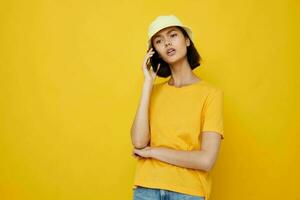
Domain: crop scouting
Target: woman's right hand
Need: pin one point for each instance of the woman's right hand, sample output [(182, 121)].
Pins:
[(149, 74)]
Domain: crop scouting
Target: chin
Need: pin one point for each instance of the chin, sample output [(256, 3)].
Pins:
[(173, 59)]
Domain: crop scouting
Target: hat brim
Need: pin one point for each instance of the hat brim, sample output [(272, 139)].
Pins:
[(186, 28)]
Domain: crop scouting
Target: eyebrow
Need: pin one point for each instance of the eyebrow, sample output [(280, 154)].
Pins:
[(173, 29)]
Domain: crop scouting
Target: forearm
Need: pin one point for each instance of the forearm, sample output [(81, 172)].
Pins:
[(196, 159), (140, 128)]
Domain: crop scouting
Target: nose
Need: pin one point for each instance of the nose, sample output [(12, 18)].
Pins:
[(167, 42)]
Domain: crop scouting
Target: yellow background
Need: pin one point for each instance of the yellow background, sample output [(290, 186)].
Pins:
[(70, 80)]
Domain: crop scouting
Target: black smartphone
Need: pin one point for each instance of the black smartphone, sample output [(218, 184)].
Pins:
[(155, 60)]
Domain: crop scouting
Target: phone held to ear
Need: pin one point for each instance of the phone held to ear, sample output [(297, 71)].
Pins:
[(155, 60)]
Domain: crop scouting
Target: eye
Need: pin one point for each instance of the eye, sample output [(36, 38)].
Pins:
[(174, 34), (157, 41)]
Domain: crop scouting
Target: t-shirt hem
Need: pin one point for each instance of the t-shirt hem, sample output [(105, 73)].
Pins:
[(213, 130), (179, 189)]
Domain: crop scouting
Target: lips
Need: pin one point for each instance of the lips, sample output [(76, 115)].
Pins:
[(171, 51)]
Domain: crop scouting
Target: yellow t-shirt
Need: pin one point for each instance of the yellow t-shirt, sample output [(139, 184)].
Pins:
[(177, 116)]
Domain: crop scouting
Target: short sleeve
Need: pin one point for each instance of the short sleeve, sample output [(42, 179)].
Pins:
[(213, 113)]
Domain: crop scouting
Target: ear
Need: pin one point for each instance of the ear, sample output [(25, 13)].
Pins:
[(188, 42)]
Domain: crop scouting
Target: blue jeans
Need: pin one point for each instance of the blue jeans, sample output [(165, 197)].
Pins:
[(144, 193)]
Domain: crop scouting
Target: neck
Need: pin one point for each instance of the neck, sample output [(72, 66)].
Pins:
[(182, 74)]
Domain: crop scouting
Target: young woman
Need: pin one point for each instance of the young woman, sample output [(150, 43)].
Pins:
[(178, 126)]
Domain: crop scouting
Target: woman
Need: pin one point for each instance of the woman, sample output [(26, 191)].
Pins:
[(178, 126)]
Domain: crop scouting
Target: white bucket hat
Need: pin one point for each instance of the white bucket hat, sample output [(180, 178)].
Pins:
[(164, 21)]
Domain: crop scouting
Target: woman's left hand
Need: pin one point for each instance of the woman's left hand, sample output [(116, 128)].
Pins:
[(145, 152)]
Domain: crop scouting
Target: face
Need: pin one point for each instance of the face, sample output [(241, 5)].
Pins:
[(170, 38)]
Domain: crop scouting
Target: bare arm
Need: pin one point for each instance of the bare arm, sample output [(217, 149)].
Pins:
[(140, 135), (203, 159)]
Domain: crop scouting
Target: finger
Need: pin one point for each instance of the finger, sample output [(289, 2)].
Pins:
[(136, 156), (135, 151), (145, 64), (158, 67), (146, 61), (150, 50), (150, 53)]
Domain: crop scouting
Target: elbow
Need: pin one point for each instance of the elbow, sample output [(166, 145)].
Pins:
[(209, 165), (139, 142), (206, 164), (139, 145), (208, 168)]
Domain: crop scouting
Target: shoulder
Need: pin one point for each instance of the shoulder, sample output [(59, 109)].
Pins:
[(212, 88)]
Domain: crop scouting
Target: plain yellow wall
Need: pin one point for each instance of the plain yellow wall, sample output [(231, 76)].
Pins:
[(71, 81)]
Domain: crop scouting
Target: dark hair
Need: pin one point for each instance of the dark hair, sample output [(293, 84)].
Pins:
[(193, 58)]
